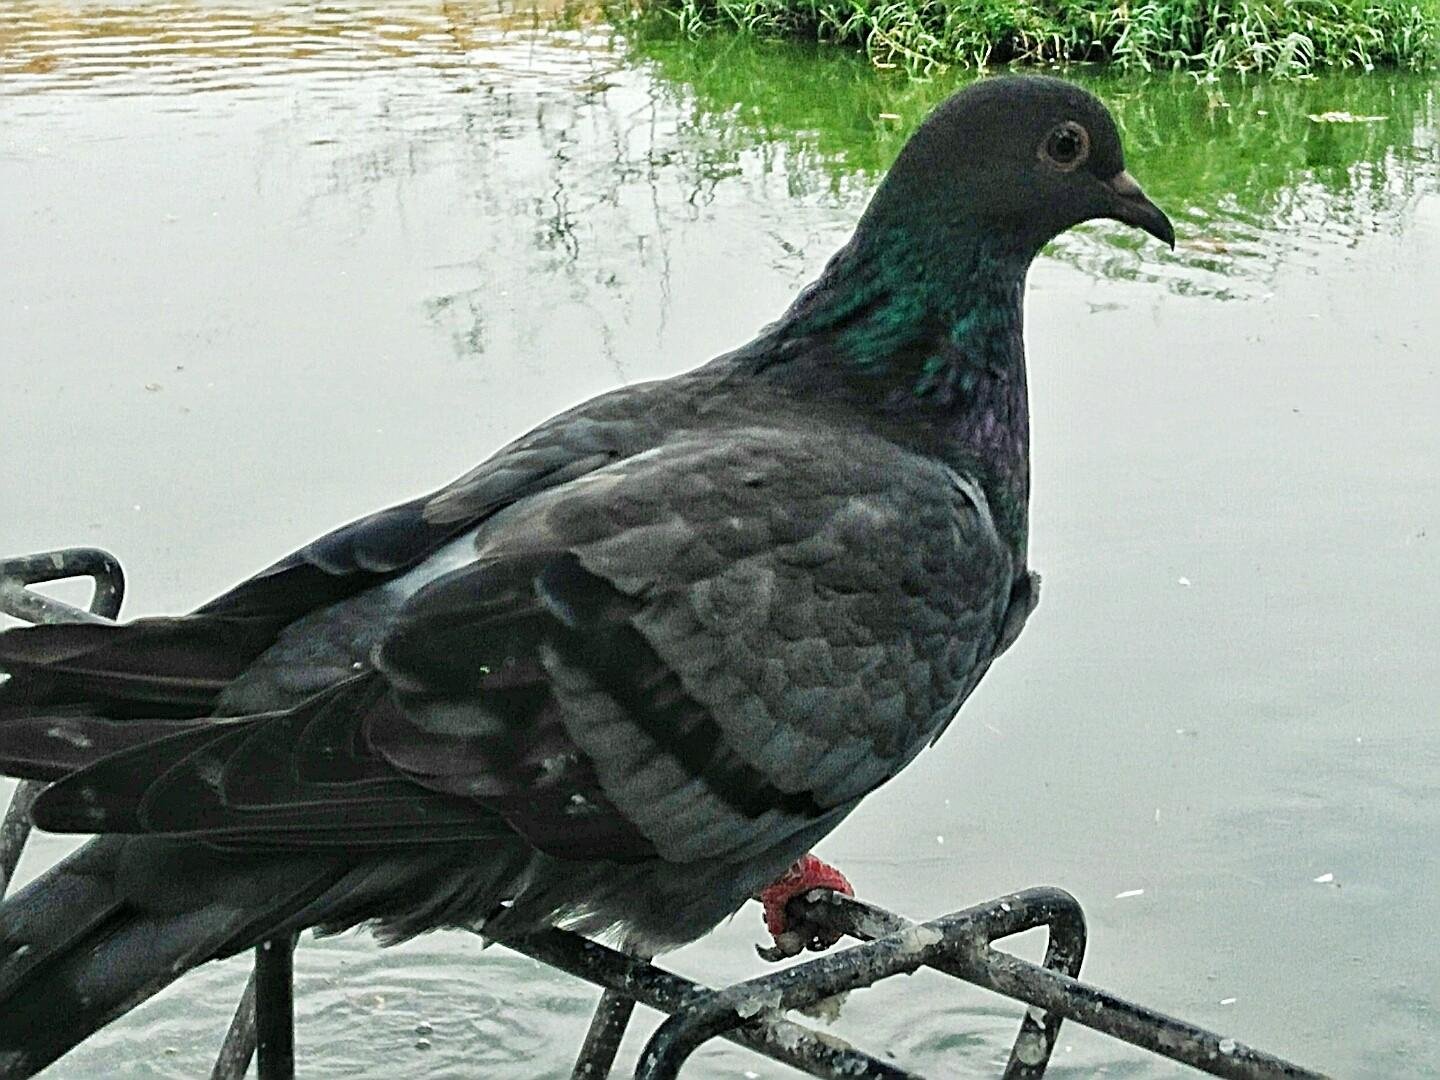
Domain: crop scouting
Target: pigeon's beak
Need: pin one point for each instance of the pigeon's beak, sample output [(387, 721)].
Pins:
[(1128, 203)]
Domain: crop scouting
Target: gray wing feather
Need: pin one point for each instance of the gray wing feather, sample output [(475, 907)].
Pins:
[(825, 605)]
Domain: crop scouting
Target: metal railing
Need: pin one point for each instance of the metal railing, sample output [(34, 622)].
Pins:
[(750, 1013)]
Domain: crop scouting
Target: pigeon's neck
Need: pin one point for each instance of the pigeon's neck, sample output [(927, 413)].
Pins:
[(911, 309), (923, 334)]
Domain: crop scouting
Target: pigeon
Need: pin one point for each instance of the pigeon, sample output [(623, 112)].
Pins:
[(619, 677)]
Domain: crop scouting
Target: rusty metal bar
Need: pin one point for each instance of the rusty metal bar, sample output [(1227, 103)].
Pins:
[(960, 945), (238, 1047), (275, 1008), (774, 1037), (602, 1040)]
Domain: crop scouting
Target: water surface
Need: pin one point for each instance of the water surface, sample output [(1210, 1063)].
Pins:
[(264, 268)]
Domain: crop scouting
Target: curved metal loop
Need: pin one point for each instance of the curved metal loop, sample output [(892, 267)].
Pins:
[(17, 599), (960, 945), (19, 572)]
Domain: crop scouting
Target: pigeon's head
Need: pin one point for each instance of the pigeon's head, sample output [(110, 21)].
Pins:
[(1024, 157)]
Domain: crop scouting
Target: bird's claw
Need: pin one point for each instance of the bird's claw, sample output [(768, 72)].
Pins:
[(793, 933)]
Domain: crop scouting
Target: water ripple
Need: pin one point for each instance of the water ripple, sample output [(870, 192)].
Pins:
[(185, 49)]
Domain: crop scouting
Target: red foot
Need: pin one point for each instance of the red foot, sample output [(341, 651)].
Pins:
[(809, 873)]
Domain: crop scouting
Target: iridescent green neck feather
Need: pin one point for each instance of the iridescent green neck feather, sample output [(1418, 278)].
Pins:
[(883, 298), (920, 326)]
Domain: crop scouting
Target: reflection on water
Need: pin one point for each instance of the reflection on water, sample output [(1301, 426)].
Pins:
[(268, 266), (186, 48), (1256, 172)]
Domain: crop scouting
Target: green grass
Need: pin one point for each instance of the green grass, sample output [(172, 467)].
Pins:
[(1279, 37)]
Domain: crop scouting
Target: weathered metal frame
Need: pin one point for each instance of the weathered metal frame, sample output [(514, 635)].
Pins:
[(749, 1013), (960, 945)]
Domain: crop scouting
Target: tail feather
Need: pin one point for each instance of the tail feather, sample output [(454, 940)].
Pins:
[(53, 744), (82, 945), (42, 922), (151, 667), (233, 830)]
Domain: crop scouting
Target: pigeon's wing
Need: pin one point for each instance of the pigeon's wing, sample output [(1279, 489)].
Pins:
[(365, 552), (301, 778), (693, 653), (180, 667), (702, 649)]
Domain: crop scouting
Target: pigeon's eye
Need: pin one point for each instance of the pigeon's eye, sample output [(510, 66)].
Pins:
[(1067, 146)]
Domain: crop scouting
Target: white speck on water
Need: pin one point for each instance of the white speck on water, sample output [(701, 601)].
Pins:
[(750, 1074), (1185, 581), (1228, 1001), (1157, 815), (1128, 893), (940, 840), (1227, 1046), (1324, 879)]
